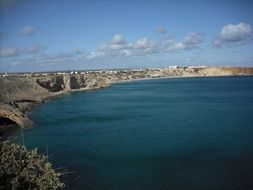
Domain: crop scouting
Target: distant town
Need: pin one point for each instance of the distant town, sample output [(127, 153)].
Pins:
[(99, 71)]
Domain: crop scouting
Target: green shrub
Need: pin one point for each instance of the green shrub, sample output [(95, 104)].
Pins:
[(24, 169)]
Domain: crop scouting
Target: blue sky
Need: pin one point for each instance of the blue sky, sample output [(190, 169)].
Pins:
[(94, 34)]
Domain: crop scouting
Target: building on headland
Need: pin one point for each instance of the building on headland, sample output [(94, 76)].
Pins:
[(61, 73), (173, 67), (73, 72)]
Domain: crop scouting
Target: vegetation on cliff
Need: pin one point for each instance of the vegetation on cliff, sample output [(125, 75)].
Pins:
[(26, 169)]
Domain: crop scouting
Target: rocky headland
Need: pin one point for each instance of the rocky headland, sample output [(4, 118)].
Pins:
[(20, 93)]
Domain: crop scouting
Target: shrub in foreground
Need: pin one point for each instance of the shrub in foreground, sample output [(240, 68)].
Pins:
[(26, 169)]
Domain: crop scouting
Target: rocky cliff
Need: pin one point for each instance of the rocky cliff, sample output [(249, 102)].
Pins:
[(19, 94)]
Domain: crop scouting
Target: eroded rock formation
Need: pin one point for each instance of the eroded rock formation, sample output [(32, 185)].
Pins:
[(18, 95)]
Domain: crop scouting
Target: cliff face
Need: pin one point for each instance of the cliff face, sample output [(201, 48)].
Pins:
[(53, 84), (19, 94), (226, 71), (59, 83), (70, 82)]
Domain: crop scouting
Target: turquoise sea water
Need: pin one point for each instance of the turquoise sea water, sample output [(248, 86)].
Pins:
[(170, 134)]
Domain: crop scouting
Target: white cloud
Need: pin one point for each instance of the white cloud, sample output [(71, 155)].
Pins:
[(95, 55), (14, 51), (168, 44), (143, 43), (240, 31), (192, 40), (231, 34), (118, 39), (28, 31), (112, 47), (144, 46), (34, 48), (118, 46), (9, 52), (117, 43)]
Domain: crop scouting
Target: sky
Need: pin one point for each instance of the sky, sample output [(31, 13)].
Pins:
[(50, 35)]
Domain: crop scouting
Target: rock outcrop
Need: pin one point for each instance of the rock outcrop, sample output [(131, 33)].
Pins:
[(18, 95), (14, 116)]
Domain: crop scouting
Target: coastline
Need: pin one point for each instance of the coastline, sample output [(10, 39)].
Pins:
[(176, 77), (62, 93), (16, 105)]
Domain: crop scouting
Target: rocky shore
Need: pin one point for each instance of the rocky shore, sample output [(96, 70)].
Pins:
[(19, 94)]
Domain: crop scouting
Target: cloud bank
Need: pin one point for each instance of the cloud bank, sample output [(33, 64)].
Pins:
[(118, 46), (34, 48), (233, 34), (14, 51), (118, 49), (9, 52)]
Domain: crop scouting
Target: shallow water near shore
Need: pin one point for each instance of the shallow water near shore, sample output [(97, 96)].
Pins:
[(183, 134)]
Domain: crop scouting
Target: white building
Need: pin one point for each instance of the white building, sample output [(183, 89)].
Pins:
[(173, 67)]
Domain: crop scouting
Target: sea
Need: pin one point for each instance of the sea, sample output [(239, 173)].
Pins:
[(165, 134)]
